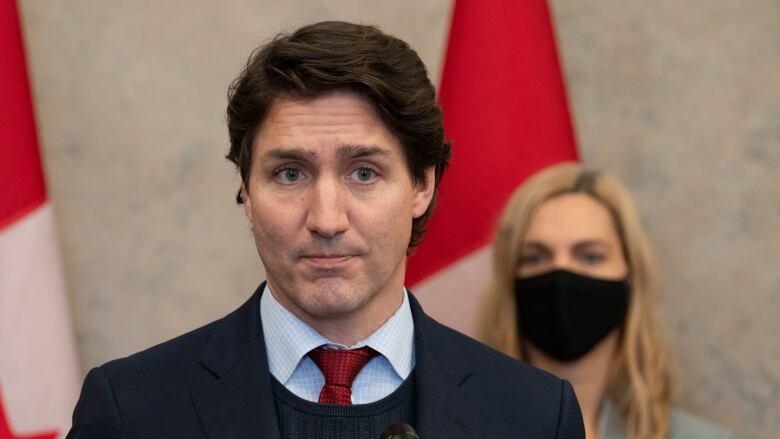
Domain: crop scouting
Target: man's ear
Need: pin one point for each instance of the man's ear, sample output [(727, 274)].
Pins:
[(423, 192), (247, 202)]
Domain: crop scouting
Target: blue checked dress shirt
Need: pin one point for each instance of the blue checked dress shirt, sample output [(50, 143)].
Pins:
[(288, 340)]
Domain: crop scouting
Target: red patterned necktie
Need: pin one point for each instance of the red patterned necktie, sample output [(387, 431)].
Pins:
[(340, 367)]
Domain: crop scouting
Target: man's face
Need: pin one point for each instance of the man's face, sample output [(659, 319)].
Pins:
[(331, 202)]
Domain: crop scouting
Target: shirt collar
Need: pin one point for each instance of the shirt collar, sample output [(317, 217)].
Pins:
[(288, 339)]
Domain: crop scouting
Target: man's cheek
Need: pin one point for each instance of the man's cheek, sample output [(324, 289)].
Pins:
[(271, 238)]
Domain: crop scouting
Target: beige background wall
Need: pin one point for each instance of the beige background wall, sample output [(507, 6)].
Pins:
[(681, 99)]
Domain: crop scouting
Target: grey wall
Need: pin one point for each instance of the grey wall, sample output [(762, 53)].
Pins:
[(130, 102), (681, 99)]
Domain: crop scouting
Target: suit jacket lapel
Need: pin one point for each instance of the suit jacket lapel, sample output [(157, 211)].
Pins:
[(445, 409), (239, 403)]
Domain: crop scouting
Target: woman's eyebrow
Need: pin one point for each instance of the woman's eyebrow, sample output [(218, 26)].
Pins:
[(535, 245), (591, 243)]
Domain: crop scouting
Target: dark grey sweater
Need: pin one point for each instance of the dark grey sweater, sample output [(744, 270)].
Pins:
[(302, 419)]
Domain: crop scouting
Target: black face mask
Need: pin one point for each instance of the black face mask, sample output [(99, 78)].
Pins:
[(566, 314)]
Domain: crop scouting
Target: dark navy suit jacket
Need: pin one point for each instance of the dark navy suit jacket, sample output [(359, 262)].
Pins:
[(214, 383)]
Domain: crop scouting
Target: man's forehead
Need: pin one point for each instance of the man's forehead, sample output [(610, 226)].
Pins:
[(338, 125), (335, 103)]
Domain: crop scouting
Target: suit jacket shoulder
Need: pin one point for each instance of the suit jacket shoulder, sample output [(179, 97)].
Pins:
[(151, 393), (487, 393)]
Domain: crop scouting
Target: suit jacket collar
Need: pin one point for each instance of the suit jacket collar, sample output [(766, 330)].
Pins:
[(238, 402), (445, 409)]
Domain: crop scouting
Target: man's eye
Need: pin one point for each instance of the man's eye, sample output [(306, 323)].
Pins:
[(364, 174), (289, 175)]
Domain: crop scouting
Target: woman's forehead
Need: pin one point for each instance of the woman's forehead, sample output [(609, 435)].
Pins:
[(571, 218)]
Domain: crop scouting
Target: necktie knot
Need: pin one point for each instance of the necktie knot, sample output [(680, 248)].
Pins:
[(340, 367)]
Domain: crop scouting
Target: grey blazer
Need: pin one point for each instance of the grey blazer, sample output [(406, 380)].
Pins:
[(681, 425)]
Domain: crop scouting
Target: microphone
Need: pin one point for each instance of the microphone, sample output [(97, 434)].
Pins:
[(399, 431)]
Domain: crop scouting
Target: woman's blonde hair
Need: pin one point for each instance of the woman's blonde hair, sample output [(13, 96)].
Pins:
[(640, 383)]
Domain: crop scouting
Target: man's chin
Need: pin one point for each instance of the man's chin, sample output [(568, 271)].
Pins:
[(333, 297)]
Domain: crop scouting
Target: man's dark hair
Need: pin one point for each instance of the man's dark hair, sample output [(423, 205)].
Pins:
[(330, 56)]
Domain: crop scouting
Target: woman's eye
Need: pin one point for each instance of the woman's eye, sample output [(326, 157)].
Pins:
[(592, 258), (532, 259), (364, 174)]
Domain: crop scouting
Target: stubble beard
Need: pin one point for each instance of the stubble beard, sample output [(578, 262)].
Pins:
[(320, 298), (335, 300)]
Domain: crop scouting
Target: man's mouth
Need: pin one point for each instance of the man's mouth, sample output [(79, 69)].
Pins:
[(327, 261)]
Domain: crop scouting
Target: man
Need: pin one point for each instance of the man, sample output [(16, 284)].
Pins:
[(339, 142)]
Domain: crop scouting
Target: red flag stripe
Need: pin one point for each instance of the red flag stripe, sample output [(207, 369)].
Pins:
[(505, 111), (5, 428), (22, 187)]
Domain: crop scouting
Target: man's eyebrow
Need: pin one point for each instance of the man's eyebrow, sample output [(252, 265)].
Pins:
[(284, 153), (349, 151), (358, 151)]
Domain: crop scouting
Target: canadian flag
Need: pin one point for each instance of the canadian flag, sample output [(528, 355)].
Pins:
[(506, 114), (38, 366)]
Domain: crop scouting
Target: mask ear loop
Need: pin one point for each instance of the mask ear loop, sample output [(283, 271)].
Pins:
[(522, 347)]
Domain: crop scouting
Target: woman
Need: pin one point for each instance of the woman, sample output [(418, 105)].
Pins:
[(573, 292)]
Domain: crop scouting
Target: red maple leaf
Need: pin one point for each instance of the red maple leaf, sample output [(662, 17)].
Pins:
[(6, 433)]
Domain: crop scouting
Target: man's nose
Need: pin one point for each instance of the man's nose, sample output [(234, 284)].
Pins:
[(327, 210)]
